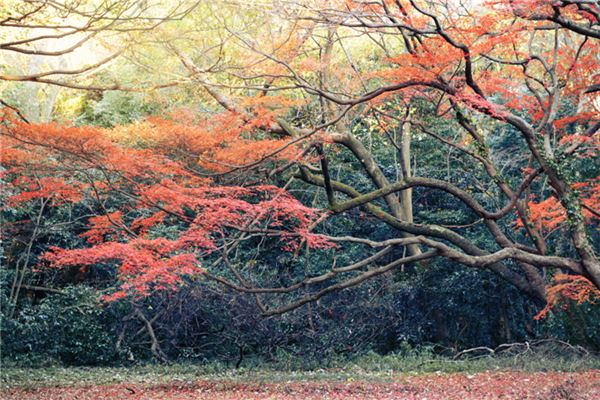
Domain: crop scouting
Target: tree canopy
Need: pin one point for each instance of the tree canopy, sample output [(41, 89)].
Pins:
[(376, 135)]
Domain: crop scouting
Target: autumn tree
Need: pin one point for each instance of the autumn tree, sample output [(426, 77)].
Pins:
[(481, 70), (457, 74)]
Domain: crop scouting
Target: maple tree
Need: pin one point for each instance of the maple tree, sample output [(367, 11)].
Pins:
[(457, 74), (59, 164)]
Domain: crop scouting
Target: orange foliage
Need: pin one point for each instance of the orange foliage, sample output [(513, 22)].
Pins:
[(574, 288), (57, 189), (221, 143), (549, 214), (148, 169)]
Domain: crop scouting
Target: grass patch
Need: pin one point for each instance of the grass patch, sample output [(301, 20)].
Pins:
[(369, 367)]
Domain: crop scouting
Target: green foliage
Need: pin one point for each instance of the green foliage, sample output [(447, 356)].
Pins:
[(576, 323), (116, 108), (69, 328)]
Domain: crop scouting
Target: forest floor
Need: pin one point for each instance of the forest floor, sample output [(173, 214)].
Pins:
[(487, 385), (181, 382)]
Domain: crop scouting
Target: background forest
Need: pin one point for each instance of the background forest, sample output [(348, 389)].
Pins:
[(109, 131)]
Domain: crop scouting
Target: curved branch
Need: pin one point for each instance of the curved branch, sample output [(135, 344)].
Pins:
[(436, 184), (430, 231), (349, 283)]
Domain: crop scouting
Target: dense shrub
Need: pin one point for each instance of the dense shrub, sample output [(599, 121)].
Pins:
[(70, 328)]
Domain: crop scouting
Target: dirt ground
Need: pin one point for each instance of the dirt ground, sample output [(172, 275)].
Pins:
[(486, 385)]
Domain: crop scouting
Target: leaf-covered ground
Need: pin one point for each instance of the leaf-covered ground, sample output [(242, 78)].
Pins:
[(484, 385)]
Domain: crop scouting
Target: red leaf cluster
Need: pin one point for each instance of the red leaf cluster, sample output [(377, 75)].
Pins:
[(152, 186), (569, 288)]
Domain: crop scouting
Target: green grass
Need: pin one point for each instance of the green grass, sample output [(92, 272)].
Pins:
[(369, 367)]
